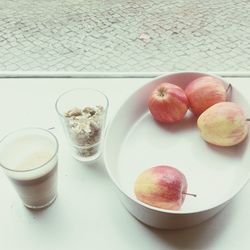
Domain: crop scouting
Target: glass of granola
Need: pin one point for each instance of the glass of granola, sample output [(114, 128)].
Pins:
[(83, 113)]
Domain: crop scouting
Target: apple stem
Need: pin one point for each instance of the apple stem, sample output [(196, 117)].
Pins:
[(51, 128), (229, 88), (194, 195)]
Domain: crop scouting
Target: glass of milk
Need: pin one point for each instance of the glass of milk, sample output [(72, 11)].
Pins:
[(29, 159)]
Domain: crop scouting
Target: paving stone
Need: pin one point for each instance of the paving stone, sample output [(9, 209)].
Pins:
[(120, 35)]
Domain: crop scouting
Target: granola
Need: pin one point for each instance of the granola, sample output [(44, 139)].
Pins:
[(85, 127)]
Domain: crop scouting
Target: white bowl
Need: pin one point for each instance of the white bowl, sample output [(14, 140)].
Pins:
[(135, 142)]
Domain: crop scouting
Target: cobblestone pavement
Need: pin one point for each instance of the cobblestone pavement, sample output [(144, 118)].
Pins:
[(124, 35)]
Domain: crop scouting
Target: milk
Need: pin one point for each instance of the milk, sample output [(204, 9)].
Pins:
[(30, 162)]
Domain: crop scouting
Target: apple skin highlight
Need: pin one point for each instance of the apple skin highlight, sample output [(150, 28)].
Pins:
[(161, 186), (204, 92), (168, 103), (223, 124)]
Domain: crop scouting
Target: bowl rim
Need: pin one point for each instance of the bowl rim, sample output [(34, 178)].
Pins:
[(228, 198)]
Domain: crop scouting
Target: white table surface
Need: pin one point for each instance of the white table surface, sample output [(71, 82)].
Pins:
[(87, 213)]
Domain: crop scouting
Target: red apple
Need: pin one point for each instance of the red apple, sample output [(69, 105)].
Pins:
[(168, 103), (161, 186), (204, 92)]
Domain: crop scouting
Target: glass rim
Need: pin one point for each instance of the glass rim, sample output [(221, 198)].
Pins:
[(27, 129), (74, 89)]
